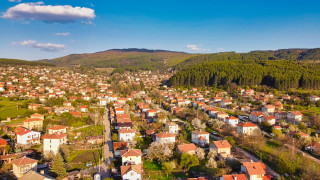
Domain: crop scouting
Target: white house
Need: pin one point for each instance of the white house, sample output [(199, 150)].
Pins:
[(126, 134), (270, 119), (233, 121), (131, 156), (268, 109), (256, 116), (26, 136), (84, 108), (314, 98), (246, 128), (200, 137), (57, 129), (131, 172), (224, 103), (165, 137), (103, 102), (52, 142), (173, 128), (294, 116), (254, 170), (151, 113)]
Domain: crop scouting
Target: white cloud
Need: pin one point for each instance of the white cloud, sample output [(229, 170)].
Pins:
[(219, 49), (48, 13), (194, 47), (62, 34), (49, 47), (15, 0)]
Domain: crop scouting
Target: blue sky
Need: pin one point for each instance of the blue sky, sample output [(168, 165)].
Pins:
[(47, 29)]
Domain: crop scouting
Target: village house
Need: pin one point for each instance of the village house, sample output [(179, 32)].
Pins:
[(294, 116), (270, 119), (254, 170), (56, 129), (233, 177), (186, 148), (33, 123), (165, 137), (118, 147), (27, 137), (131, 172), (268, 109), (173, 128), (37, 116), (94, 139), (126, 134), (314, 99), (245, 108), (222, 116), (22, 165), (52, 142), (222, 147), (151, 113), (200, 137), (280, 115), (131, 157), (233, 121), (225, 103), (256, 116), (246, 128)]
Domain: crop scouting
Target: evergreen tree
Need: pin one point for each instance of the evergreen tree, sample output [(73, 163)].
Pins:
[(58, 167)]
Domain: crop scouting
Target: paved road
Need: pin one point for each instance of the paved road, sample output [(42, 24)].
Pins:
[(104, 170), (257, 160)]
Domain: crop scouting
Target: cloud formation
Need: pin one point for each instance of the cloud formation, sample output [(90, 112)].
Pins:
[(62, 34), (194, 47), (220, 49), (15, 0), (48, 13), (49, 47)]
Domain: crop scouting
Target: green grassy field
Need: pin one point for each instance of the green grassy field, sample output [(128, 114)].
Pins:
[(9, 108)]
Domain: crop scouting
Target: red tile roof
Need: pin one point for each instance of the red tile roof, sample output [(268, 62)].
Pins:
[(255, 168), (3, 142), (131, 152), (136, 168), (119, 145), (247, 124), (234, 176), (186, 147), (126, 130), (24, 161), (222, 144), (57, 127), (32, 119), (165, 135), (200, 132), (54, 136), (296, 113)]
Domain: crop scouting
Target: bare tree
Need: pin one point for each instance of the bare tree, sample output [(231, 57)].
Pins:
[(197, 124), (160, 151), (200, 154)]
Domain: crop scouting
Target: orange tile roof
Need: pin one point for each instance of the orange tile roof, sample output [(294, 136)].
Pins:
[(222, 144), (126, 130), (257, 113), (24, 161), (186, 147), (119, 145), (296, 113), (131, 152), (57, 127), (234, 176), (3, 142), (247, 124), (137, 168), (32, 119), (165, 135), (255, 168), (54, 136), (200, 132)]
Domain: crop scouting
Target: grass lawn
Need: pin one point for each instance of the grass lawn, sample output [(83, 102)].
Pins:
[(15, 121), (9, 108), (151, 165)]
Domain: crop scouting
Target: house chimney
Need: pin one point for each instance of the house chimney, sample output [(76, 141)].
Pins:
[(234, 177), (251, 161)]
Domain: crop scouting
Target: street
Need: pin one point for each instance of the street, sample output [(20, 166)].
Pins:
[(103, 169)]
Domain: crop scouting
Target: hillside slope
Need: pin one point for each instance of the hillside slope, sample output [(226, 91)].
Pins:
[(126, 58), (4, 61), (282, 54)]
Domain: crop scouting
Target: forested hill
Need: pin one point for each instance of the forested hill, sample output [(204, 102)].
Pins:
[(129, 59), (282, 54), (4, 61), (279, 74)]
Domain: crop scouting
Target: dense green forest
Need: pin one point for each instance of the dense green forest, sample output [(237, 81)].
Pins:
[(4, 61), (279, 74), (282, 54)]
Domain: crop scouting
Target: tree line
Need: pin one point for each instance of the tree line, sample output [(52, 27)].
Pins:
[(278, 74)]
